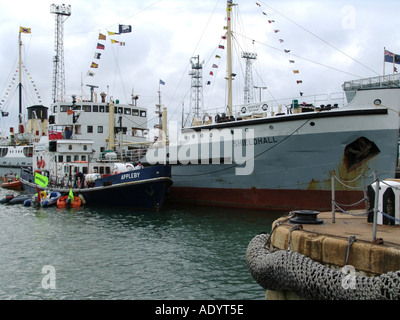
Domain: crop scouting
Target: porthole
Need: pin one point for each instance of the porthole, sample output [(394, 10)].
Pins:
[(377, 102), (312, 123)]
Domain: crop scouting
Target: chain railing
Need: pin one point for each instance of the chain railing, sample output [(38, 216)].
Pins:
[(375, 210)]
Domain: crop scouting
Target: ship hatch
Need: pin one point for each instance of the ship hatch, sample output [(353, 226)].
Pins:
[(358, 152)]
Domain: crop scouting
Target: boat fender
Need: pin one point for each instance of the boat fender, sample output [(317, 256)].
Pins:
[(27, 203), (82, 199), (43, 163)]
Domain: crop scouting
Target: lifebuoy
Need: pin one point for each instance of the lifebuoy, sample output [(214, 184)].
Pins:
[(207, 118), (41, 163)]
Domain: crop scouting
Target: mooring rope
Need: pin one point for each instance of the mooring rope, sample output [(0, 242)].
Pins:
[(288, 270)]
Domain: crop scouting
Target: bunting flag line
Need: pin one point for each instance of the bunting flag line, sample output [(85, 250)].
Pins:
[(221, 47), (13, 81), (214, 66), (281, 40), (100, 46), (125, 28)]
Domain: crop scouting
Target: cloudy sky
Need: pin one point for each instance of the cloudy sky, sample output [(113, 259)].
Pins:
[(330, 42)]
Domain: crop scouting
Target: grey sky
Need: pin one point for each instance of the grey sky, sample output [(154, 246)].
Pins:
[(330, 41)]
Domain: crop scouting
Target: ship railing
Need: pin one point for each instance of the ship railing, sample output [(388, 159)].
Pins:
[(392, 80), (270, 108), (364, 187)]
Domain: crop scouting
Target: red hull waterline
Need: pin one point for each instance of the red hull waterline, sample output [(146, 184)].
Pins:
[(265, 199)]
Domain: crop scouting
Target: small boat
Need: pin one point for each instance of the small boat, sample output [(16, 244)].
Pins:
[(12, 182), (65, 202), (7, 198), (51, 199), (20, 199)]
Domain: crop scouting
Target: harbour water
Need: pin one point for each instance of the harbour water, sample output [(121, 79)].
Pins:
[(179, 253)]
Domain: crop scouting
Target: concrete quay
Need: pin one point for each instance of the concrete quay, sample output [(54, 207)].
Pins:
[(328, 243)]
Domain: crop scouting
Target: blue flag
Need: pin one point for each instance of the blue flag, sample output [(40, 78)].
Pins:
[(162, 82), (392, 57)]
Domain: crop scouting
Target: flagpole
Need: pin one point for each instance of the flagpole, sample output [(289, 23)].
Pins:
[(384, 53), (20, 83), (394, 58), (229, 56)]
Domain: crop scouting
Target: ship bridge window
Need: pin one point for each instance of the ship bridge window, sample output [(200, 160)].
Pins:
[(87, 108), (359, 152), (89, 129), (3, 152), (77, 107), (101, 109), (64, 108), (100, 129), (135, 112), (95, 108), (142, 113), (120, 110), (127, 111), (55, 109), (119, 129)]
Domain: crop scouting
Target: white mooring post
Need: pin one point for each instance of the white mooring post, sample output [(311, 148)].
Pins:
[(333, 197), (375, 208)]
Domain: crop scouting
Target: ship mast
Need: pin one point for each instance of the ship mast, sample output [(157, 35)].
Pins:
[(20, 125), (229, 56)]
